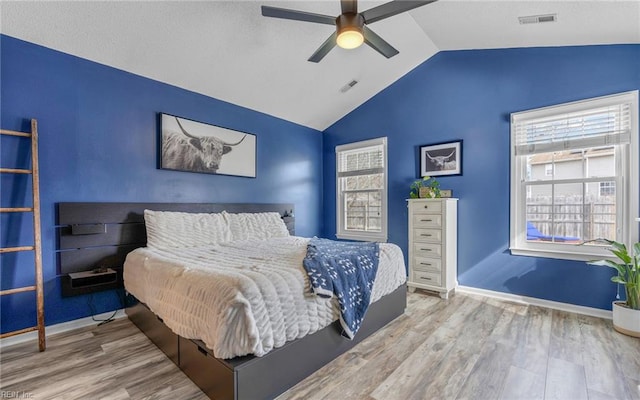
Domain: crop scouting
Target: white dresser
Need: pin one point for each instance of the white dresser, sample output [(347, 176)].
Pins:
[(433, 245)]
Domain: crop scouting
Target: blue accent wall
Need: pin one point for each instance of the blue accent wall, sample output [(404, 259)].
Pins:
[(98, 129), (469, 95)]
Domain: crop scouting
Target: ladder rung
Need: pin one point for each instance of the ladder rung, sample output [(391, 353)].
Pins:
[(14, 249), (17, 290), (16, 209), (14, 171), (14, 133), (19, 332)]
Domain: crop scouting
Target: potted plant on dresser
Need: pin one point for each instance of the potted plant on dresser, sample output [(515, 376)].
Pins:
[(626, 314), (427, 187)]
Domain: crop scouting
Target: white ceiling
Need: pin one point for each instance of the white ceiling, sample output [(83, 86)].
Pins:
[(227, 50)]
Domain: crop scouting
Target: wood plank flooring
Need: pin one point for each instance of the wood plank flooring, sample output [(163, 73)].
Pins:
[(468, 347)]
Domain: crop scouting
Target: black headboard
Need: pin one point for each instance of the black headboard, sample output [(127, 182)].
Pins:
[(91, 235)]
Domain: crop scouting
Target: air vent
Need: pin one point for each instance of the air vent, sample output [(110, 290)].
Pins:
[(536, 19), (348, 85)]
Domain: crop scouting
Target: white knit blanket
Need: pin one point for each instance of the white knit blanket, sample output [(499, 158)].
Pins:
[(242, 297)]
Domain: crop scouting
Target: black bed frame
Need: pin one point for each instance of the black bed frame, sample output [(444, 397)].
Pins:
[(103, 233)]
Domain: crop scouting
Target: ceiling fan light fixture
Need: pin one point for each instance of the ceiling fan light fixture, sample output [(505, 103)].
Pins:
[(351, 26), (350, 29), (350, 38)]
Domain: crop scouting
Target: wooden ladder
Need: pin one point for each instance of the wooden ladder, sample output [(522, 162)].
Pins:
[(37, 246)]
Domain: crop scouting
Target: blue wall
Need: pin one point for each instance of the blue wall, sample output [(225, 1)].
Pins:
[(98, 143), (469, 95)]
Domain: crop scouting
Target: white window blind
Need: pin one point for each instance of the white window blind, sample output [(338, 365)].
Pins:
[(604, 125), (365, 161)]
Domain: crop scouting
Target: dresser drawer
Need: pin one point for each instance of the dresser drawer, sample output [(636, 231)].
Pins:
[(427, 207), (429, 278), (427, 221), (427, 249), (427, 235), (427, 264)]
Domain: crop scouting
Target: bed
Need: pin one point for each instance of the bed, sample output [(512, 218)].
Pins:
[(256, 346)]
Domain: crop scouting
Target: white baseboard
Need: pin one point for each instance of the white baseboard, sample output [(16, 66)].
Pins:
[(59, 328), (555, 305)]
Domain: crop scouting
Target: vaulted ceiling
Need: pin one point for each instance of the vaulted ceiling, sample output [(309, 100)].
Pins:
[(228, 50)]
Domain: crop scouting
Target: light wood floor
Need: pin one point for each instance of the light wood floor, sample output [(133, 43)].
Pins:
[(465, 348)]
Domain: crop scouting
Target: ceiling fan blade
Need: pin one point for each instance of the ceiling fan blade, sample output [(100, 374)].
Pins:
[(285, 13), (392, 8), (378, 44), (324, 49), (349, 6)]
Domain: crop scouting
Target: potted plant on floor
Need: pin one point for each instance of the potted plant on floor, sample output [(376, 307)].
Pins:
[(626, 314)]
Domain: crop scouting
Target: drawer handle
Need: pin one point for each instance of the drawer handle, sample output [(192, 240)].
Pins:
[(425, 263), (426, 206), (201, 350), (425, 278), (426, 234), (426, 249), (426, 220)]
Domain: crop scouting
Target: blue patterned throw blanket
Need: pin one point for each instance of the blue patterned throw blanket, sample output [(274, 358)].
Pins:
[(346, 269)]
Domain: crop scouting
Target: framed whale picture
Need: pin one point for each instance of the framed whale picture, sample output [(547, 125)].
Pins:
[(192, 146), (441, 159)]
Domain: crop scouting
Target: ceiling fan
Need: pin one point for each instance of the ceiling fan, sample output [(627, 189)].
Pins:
[(351, 26)]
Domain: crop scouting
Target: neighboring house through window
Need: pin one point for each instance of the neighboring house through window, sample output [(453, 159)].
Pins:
[(574, 177), (361, 177), (607, 188)]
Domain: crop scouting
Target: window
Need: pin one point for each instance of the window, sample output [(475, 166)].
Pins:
[(361, 178), (574, 177)]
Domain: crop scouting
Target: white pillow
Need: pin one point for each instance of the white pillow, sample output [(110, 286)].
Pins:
[(256, 225), (167, 229)]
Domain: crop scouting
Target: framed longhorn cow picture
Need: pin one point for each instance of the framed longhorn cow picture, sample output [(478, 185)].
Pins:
[(192, 146), (441, 159)]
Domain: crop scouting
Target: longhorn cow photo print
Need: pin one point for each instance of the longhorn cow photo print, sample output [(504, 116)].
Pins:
[(193, 146), (441, 159)]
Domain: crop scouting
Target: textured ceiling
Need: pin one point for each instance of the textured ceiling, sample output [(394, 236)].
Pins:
[(227, 50)]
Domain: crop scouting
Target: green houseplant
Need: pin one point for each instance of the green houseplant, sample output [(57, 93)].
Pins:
[(427, 187), (626, 314)]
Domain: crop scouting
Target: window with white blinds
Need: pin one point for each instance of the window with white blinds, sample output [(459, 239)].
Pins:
[(537, 132), (361, 177), (574, 176)]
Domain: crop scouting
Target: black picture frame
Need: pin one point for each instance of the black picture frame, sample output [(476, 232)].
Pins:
[(441, 159), (193, 146)]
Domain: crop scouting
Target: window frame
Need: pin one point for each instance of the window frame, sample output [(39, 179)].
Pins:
[(626, 184), (341, 231)]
